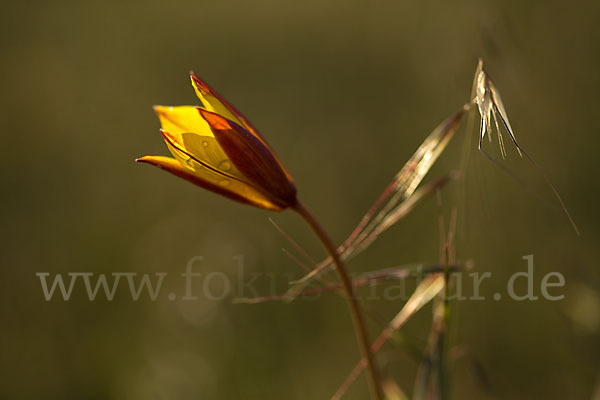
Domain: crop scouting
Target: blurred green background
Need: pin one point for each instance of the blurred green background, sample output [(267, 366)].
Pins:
[(345, 92)]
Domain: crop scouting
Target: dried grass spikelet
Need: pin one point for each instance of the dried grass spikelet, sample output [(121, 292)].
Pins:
[(490, 107), (397, 200)]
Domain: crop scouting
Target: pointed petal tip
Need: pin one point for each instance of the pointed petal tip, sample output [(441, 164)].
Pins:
[(199, 84), (194, 77), (166, 134), (166, 163), (145, 159), (170, 139), (157, 161), (161, 110), (203, 111)]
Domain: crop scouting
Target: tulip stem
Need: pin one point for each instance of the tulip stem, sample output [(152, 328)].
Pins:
[(355, 310)]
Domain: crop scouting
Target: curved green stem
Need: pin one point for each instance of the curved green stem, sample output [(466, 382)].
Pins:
[(357, 317)]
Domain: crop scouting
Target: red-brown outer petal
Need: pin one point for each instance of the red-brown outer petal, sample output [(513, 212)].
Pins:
[(251, 157), (176, 169)]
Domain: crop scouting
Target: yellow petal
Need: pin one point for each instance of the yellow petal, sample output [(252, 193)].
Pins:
[(182, 119), (198, 152), (213, 181), (213, 102)]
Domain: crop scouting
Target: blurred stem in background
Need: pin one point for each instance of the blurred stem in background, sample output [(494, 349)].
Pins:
[(357, 317)]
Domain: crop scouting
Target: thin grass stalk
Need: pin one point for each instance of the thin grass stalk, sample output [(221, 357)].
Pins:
[(442, 348), (447, 255), (430, 287)]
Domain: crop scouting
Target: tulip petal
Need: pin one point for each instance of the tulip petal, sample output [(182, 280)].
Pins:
[(182, 119), (251, 157), (207, 179), (199, 152), (191, 134)]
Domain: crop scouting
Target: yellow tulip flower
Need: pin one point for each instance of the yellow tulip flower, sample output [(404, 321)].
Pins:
[(215, 147)]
